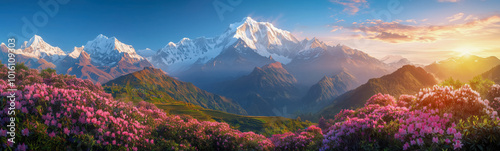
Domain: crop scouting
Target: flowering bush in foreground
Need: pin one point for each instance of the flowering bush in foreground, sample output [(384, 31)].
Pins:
[(368, 128), (480, 133), (381, 99), (426, 121), (309, 139), (59, 112), (205, 135), (494, 97), (461, 103)]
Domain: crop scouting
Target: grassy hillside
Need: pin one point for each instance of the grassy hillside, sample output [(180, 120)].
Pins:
[(156, 87), (153, 91), (265, 125)]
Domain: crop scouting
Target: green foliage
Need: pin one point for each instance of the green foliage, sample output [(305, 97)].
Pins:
[(478, 83), (481, 85), (451, 82), (47, 72), (20, 66), (480, 133)]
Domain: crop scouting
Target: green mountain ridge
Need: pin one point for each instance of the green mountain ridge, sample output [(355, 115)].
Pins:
[(153, 85), (321, 93), (493, 74), (265, 89), (406, 80), (463, 68)]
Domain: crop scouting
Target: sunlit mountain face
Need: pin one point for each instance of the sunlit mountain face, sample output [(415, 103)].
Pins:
[(250, 75)]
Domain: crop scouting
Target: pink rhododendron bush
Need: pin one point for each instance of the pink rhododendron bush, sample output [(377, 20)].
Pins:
[(60, 112), (494, 97), (309, 139), (438, 118)]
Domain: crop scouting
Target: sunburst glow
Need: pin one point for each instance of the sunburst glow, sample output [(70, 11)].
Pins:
[(464, 51)]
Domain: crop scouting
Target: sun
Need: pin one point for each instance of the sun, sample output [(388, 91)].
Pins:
[(465, 51)]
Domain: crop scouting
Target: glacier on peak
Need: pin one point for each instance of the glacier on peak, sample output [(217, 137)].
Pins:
[(109, 51), (146, 52), (37, 48), (76, 52), (262, 37)]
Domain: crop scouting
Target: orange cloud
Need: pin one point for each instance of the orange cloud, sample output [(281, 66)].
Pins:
[(395, 32), (352, 6)]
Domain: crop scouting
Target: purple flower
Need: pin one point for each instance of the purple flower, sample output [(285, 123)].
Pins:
[(25, 132), (22, 147), (435, 140), (3, 132), (24, 110), (406, 146)]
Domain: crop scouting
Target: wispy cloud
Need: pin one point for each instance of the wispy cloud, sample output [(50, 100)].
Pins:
[(455, 17), (352, 6), (470, 17), (335, 28), (396, 32)]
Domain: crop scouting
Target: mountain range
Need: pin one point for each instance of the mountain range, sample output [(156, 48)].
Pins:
[(253, 63), (327, 89), (100, 60), (249, 44), (462, 68), (493, 74), (406, 80), (181, 98), (153, 85), (265, 89)]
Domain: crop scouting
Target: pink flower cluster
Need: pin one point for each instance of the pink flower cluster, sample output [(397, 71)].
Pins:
[(362, 124), (426, 129), (425, 121), (207, 135), (462, 102), (60, 109), (301, 140), (381, 99), (494, 97)]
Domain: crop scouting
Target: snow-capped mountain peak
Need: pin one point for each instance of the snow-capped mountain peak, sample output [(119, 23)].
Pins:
[(36, 47), (264, 33), (146, 52), (172, 44), (76, 52), (35, 40), (315, 43), (391, 58), (103, 44), (395, 61), (108, 51), (245, 36)]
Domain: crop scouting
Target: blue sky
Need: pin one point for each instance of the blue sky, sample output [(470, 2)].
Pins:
[(154, 23)]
